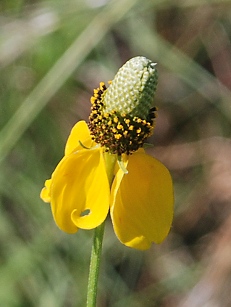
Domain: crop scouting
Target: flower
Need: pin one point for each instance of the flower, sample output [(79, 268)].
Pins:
[(88, 182)]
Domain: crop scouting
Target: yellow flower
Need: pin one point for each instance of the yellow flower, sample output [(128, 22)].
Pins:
[(139, 194)]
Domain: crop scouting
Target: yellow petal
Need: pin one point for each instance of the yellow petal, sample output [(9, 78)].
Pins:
[(142, 202), (80, 191), (79, 133), (45, 193)]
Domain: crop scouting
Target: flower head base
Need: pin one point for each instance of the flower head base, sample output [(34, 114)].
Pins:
[(118, 133), (87, 182), (122, 117)]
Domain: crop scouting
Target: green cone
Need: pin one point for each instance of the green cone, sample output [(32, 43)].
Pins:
[(133, 88)]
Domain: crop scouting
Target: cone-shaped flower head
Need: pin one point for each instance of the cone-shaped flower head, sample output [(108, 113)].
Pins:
[(133, 88), (122, 117), (88, 182)]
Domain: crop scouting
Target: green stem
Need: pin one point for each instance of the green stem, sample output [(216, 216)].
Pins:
[(110, 161), (94, 266)]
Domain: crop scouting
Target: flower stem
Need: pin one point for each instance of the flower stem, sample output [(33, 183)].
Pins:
[(110, 161), (94, 266)]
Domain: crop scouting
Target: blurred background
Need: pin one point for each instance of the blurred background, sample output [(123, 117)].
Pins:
[(52, 55)]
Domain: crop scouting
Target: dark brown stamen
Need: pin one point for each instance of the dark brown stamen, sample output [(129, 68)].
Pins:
[(118, 133)]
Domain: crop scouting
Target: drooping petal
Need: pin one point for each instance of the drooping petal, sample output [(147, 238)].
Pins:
[(80, 191), (45, 193), (142, 202), (79, 133)]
